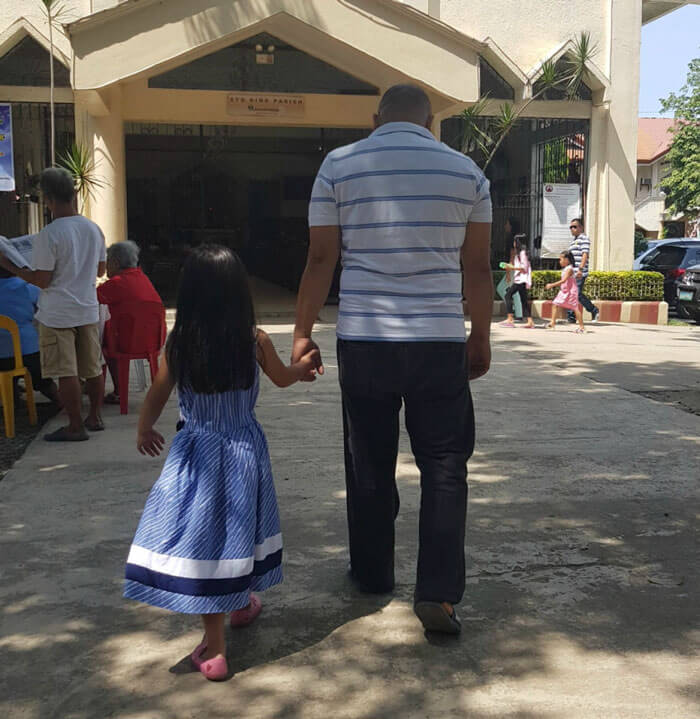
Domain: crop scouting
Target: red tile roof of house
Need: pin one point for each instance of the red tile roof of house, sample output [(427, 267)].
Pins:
[(654, 138)]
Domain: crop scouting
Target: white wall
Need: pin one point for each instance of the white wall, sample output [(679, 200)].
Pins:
[(644, 172), (431, 7), (649, 213), (33, 11), (103, 4), (528, 30), (650, 203)]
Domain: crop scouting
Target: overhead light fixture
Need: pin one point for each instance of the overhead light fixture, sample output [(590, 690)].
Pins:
[(265, 58)]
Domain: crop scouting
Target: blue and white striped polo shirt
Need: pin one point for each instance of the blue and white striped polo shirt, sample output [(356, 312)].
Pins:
[(579, 246), (402, 200)]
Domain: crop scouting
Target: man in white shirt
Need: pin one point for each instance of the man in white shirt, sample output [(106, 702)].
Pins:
[(404, 210), (68, 255)]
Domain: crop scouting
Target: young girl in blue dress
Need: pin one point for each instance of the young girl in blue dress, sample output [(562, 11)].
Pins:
[(210, 533)]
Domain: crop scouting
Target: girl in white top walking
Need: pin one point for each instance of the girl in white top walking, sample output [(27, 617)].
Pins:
[(522, 281)]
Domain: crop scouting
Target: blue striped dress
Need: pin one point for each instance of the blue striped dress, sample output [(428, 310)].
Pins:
[(210, 531)]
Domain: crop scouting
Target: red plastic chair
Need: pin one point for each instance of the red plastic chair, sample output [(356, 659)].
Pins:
[(136, 331)]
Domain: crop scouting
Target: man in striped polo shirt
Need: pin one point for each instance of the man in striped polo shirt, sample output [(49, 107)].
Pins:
[(403, 210), (581, 249)]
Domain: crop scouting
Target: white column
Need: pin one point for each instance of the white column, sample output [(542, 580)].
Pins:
[(597, 198), (622, 129), (100, 127)]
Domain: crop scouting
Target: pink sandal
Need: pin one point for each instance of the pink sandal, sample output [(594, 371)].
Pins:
[(247, 615), (214, 669)]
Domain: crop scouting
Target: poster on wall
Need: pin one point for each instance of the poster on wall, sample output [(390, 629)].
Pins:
[(7, 165), (560, 204)]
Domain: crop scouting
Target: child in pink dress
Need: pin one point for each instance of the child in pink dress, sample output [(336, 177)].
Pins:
[(567, 298)]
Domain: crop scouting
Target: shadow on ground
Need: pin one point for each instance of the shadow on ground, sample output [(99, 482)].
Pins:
[(582, 578)]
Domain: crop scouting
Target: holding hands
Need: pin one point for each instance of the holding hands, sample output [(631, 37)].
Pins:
[(306, 351), (309, 363)]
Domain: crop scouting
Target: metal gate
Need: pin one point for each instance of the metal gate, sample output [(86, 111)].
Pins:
[(559, 156), (535, 152)]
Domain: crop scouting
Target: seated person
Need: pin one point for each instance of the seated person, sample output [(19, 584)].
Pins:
[(126, 283), (18, 301)]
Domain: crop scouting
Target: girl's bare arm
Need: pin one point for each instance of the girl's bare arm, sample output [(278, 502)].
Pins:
[(281, 374), (148, 440), (562, 280)]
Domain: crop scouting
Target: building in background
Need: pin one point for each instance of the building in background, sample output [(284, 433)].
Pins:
[(208, 119), (650, 216)]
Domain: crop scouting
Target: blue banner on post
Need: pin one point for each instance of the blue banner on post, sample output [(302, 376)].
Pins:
[(7, 164)]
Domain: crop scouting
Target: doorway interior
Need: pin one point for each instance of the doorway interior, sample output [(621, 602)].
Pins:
[(244, 187)]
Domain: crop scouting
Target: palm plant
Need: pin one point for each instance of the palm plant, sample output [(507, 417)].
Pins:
[(79, 162), (54, 11), (484, 135)]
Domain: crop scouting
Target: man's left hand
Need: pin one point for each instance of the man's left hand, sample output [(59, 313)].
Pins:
[(479, 356)]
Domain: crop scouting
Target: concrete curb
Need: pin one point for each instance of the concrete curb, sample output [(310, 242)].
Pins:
[(645, 313)]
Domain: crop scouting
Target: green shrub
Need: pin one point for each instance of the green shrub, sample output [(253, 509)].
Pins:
[(540, 278), (648, 286)]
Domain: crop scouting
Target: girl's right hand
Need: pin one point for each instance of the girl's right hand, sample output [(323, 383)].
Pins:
[(150, 442), (548, 287), (310, 362)]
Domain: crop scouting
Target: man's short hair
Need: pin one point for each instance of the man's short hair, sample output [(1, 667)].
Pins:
[(125, 254), (57, 184), (405, 103), (579, 220)]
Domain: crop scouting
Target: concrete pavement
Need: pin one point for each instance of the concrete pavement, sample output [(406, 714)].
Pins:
[(582, 585)]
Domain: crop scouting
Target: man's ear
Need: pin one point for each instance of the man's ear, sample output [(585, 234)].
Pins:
[(429, 122)]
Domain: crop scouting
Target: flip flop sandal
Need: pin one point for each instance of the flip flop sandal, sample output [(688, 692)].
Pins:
[(507, 324), (63, 435), (97, 427), (111, 398), (215, 669), (435, 618), (247, 615)]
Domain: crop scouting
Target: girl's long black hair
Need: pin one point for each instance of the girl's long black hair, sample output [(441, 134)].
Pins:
[(520, 244), (212, 346), (514, 223)]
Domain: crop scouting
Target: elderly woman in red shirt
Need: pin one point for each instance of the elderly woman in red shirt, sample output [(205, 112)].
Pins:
[(126, 283)]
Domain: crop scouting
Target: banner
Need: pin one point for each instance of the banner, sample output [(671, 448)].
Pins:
[(560, 204), (7, 165)]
